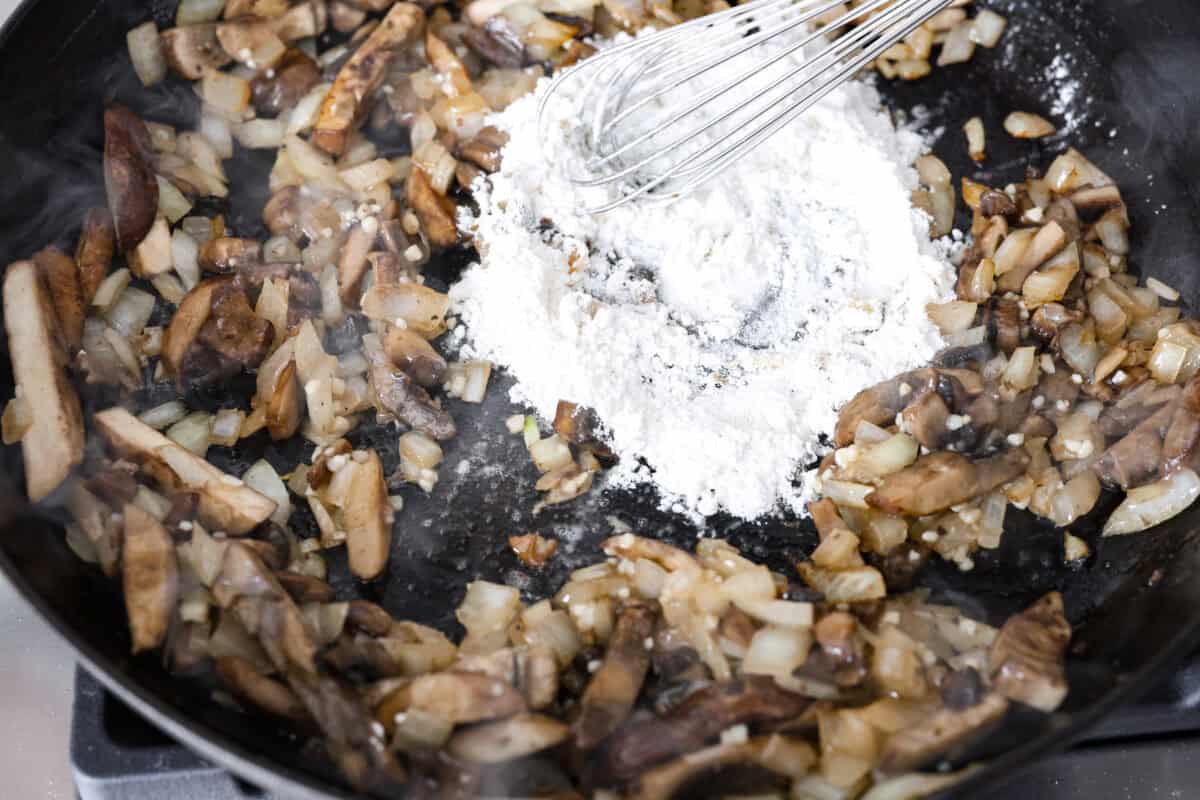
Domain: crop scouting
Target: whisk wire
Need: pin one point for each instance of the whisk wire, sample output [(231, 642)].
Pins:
[(655, 123)]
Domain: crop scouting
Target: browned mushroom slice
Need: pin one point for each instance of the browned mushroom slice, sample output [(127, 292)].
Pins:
[(304, 588), (228, 254), (129, 179), (1136, 456), (250, 686), (285, 411), (344, 107), (702, 715), (926, 741), (508, 739), (880, 404), (365, 518), (1049, 239), (53, 442), (352, 263), (1050, 318), (346, 725), (189, 318), (533, 671), (1182, 436), (1134, 407), (615, 686), (434, 211), (940, 480), (234, 331), (282, 213), (497, 42), (62, 277), (575, 423), (457, 697), (1093, 201), (1026, 659), (399, 395), (225, 503), (415, 356), (776, 759), (1003, 320), (484, 148), (150, 578), (94, 253), (993, 203), (191, 50), (369, 618), (245, 586), (925, 419)]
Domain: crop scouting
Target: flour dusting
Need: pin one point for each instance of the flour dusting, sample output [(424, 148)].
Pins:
[(717, 336)]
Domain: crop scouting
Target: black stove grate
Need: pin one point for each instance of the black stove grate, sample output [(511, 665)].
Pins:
[(1148, 749)]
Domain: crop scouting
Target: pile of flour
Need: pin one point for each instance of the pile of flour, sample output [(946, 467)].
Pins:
[(717, 336)]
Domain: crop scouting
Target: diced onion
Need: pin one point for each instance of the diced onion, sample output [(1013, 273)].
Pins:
[(130, 313), (145, 51), (1023, 125), (364, 176), (1147, 506), (192, 433), (227, 426), (165, 415), (304, 116), (260, 134), (191, 12), (111, 288), (776, 651), (987, 28), (976, 142), (958, 47), (225, 91), (171, 202), (550, 453)]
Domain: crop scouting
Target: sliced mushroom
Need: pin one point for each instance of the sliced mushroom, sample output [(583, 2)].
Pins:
[(189, 318), (228, 254), (352, 263), (1026, 659), (53, 442), (191, 50), (776, 758), (925, 419), (150, 578), (1093, 201), (927, 741), (129, 179), (1136, 457), (398, 394), (457, 697), (245, 586), (434, 211), (303, 588), (285, 411), (94, 253), (281, 213), (61, 276), (413, 354), (497, 42), (484, 148), (225, 503), (1003, 320), (508, 739), (940, 480), (1183, 434), (250, 686), (346, 725), (706, 712), (533, 671), (233, 331), (345, 105), (880, 403), (365, 518), (614, 687), (369, 618)]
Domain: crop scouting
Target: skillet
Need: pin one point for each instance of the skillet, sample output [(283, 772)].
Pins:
[(1119, 76)]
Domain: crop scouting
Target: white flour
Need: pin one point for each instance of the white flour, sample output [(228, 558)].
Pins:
[(717, 336)]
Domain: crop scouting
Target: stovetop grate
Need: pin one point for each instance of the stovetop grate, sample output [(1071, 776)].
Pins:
[(1149, 749)]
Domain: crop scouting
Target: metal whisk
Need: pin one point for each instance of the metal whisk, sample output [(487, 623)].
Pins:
[(661, 114)]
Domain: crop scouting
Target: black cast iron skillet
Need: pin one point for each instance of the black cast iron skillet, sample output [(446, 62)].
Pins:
[(1122, 78)]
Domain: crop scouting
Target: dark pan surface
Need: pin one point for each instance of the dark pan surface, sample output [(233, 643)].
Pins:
[(1122, 73)]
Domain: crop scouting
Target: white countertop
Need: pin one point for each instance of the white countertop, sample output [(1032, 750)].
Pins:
[(36, 671)]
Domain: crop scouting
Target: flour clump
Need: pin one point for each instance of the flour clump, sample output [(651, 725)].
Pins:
[(717, 336)]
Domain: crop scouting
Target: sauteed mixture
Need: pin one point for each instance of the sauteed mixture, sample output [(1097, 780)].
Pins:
[(654, 672)]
